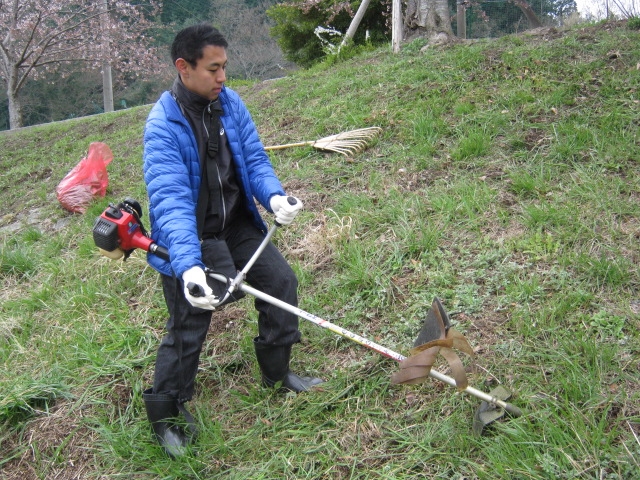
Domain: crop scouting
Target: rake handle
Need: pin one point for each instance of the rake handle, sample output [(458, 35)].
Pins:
[(288, 145)]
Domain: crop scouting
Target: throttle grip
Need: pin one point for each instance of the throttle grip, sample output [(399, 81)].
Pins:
[(292, 201), (195, 290)]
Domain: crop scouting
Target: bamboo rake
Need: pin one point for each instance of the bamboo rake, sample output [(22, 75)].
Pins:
[(346, 143)]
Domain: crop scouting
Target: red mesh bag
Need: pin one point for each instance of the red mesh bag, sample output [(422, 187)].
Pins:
[(87, 180)]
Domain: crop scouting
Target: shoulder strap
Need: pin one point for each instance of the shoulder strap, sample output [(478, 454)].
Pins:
[(209, 182)]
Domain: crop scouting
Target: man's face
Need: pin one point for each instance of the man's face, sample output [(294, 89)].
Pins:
[(207, 77)]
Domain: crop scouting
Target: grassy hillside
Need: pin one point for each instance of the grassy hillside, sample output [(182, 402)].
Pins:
[(505, 183)]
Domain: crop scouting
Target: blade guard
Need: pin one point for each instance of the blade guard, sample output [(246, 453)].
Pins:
[(436, 337), (435, 326)]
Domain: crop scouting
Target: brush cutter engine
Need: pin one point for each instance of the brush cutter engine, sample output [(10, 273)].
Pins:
[(118, 231)]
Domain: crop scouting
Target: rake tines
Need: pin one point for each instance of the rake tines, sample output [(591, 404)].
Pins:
[(346, 143)]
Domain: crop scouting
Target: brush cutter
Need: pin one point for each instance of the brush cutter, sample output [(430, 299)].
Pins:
[(118, 231), (346, 143)]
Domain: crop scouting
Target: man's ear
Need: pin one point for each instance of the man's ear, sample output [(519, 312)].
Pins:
[(182, 66)]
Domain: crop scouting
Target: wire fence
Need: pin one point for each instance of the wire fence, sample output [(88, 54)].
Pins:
[(495, 18)]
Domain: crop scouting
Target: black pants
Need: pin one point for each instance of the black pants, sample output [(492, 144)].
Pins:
[(179, 352)]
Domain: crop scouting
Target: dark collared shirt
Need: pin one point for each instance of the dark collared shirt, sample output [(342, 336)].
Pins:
[(221, 190)]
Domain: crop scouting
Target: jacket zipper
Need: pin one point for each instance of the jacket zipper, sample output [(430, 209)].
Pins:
[(224, 207)]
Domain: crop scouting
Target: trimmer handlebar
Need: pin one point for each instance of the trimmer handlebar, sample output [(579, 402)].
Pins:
[(119, 230)]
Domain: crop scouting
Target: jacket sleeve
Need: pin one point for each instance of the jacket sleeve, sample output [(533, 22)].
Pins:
[(170, 179), (262, 178)]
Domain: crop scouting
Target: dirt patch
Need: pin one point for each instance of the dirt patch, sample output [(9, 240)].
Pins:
[(55, 443), (227, 318)]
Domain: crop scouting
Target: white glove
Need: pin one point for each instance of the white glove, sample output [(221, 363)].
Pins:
[(285, 208), (196, 280)]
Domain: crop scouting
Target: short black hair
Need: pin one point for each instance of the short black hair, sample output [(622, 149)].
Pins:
[(190, 42)]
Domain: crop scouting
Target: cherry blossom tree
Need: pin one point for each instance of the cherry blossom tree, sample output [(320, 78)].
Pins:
[(40, 35)]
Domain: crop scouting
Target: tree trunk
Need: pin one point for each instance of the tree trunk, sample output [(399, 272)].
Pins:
[(529, 13), (107, 81), (428, 18), (15, 111), (15, 105)]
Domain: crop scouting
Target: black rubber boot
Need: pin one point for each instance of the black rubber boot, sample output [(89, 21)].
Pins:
[(274, 365), (163, 412)]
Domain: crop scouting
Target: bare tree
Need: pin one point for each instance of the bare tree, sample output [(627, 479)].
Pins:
[(254, 54), (430, 19), (627, 8), (40, 35)]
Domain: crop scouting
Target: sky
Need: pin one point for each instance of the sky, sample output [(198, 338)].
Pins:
[(598, 8)]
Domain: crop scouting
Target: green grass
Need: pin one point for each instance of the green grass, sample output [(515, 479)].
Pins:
[(505, 183)]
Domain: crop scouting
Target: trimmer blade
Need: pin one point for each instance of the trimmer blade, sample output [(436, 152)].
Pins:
[(488, 412)]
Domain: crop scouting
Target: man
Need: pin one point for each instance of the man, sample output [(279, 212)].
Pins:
[(203, 166)]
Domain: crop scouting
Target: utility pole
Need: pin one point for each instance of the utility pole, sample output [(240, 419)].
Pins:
[(396, 25), (107, 82), (461, 18)]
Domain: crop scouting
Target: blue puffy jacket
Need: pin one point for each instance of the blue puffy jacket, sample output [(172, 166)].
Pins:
[(172, 176)]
